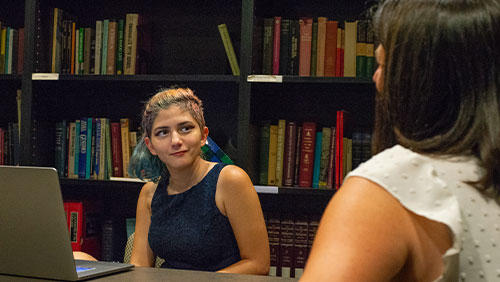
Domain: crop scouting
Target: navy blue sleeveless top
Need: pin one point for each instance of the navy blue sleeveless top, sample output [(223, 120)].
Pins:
[(188, 230)]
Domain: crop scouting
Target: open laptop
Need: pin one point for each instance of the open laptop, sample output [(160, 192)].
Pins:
[(34, 236)]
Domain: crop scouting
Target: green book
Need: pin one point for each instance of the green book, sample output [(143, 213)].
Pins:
[(81, 39), (104, 52), (264, 151), (119, 47), (314, 47)]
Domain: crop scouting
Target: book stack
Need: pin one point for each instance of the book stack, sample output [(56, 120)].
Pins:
[(11, 49), (310, 155), (314, 46)]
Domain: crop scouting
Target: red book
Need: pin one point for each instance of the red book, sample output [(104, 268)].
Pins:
[(276, 45), (305, 46), (85, 227), (116, 149), (331, 48), (286, 246), (66, 211), (289, 155), (308, 140), (297, 156)]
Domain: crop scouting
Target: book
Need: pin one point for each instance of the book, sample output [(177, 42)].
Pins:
[(217, 151), (314, 47), (112, 38), (305, 46), (85, 226), (109, 155), (116, 149), (104, 52), (331, 48), (125, 129), (298, 146), (331, 160), (285, 46), (82, 163), (370, 50), (3, 42), (61, 147), (350, 49), (280, 152), (287, 244), (98, 46), (77, 149), (274, 234), (228, 46), (289, 153), (317, 159), (130, 45), (88, 159), (361, 49), (264, 129), (273, 149), (71, 150), (320, 56), (267, 46), (300, 245), (73, 48), (293, 67), (107, 239), (339, 58), (276, 44), (324, 156), (89, 35), (81, 50), (119, 46), (308, 140), (77, 51), (356, 148)]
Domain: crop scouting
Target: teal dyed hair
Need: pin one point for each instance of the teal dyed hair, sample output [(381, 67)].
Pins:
[(143, 164)]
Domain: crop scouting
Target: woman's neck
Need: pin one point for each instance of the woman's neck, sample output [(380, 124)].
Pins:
[(183, 179)]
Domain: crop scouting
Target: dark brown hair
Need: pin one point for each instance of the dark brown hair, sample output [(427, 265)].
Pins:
[(441, 77)]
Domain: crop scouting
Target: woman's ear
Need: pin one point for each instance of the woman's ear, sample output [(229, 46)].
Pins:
[(151, 149), (204, 136)]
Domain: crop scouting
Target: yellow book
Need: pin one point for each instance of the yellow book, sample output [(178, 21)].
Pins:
[(350, 49), (280, 152), (2, 50), (125, 129), (273, 148), (325, 156), (320, 47), (228, 46)]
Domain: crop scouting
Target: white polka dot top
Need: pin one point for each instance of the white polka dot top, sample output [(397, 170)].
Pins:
[(435, 188)]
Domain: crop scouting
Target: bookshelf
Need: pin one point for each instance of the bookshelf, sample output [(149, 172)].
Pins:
[(187, 50)]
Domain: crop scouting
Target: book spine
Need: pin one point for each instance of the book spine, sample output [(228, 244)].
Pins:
[(131, 22), (125, 129), (88, 159), (112, 37), (305, 46), (287, 245), (81, 50), (104, 53), (273, 149), (76, 225), (98, 46), (361, 50), (60, 147), (77, 51), (87, 45), (307, 154), (331, 160), (325, 157), (267, 47), (320, 57), (274, 234), (280, 152), (314, 47), (370, 50), (300, 245), (331, 48), (297, 156), (77, 148), (228, 47), (289, 156), (116, 148), (317, 159), (294, 48), (285, 47), (82, 164), (350, 49), (119, 53), (109, 156), (71, 150), (264, 152), (276, 44)]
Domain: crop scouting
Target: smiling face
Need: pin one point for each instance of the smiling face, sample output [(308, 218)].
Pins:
[(176, 138)]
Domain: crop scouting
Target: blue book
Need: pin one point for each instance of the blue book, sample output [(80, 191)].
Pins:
[(317, 159), (82, 159), (60, 148), (77, 146), (217, 151), (88, 163), (97, 146)]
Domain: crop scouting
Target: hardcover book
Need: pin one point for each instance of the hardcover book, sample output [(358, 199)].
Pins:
[(228, 46), (305, 46), (307, 154), (276, 44)]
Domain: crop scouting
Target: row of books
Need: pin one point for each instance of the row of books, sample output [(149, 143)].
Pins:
[(307, 155), (112, 46), (313, 47), (93, 148), (11, 49), (290, 241), (9, 144)]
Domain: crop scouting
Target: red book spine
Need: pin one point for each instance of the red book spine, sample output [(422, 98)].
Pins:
[(276, 45), (307, 154), (331, 160), (286, 246), (116, 149), (297, 156), (289, 156), (76, 224), (331, 48), (305, 46)]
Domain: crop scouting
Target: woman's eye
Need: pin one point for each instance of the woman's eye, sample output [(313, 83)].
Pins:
[(186, 129), (162, 133)]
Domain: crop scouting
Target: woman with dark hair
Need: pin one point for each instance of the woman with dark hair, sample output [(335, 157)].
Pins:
[(425, 207), (195, 214)]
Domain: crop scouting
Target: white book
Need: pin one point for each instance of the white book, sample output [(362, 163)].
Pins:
[(98, 47)]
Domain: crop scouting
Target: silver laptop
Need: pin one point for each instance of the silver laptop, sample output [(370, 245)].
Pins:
[(34, 236)]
